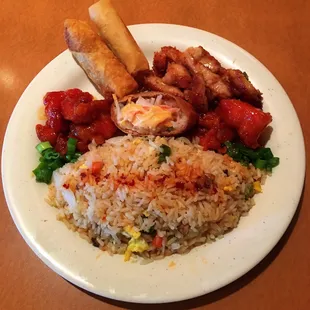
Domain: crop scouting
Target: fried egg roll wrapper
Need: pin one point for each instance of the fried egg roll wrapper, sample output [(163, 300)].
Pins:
[(117, 36), (185, 118), (97, 60)]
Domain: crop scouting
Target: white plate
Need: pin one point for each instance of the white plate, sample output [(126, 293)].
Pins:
[(205, 268)]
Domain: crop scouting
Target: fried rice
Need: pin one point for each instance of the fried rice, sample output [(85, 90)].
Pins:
[(188, 199)]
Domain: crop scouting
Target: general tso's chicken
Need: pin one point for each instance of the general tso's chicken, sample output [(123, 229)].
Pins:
[(204, 57), (218, 87), (246, 119), (166, 55), (172, 64), (177, 75), (153, 82), (214, 132), (196, 94), (243, 88)]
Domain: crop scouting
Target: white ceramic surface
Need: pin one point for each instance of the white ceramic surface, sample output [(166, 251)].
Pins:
[(205, 268)]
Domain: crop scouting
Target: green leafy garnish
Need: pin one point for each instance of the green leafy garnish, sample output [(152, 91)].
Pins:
[(41, 147), (51, 160), (71, 146), (43, 173), (261, 158), (165, 151)]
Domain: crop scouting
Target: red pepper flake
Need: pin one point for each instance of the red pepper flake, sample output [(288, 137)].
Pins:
[(66, 186), (179, 185), (131, 183), (97, 179), (83, 175)]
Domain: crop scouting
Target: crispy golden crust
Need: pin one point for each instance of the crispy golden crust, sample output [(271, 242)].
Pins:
[(97, 60), (115, 33), (189, 116)]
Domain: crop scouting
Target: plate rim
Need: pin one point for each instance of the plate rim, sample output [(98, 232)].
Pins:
[(36, 248)]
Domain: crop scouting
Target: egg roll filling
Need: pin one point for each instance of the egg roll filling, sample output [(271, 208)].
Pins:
[(148, 113)]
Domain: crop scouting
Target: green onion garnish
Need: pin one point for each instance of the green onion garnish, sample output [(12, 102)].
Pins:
[(71, 146), (165, 151), (261, 158), (51, 160), (260, 163), (273, 162), (43, 173), (50, 154), (58, 163), (41, 147)]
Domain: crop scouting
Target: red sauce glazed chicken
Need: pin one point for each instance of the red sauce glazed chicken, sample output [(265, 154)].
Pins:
[(75, 114), (230, 119)]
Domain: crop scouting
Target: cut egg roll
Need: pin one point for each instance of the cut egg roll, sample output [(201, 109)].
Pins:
[(153, 113)]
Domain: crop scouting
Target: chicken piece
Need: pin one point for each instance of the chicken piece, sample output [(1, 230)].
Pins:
[(214, 132), (246, 119), (219, 89), (243, 88), (196, 94), (153, 82), (209, 120), (204, 57), (160, 63), (141, 76), (214, 138), (177, 75), (163, 57)]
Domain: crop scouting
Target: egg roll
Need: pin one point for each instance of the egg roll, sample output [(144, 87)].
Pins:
[(99, 63), (153, 113), (117, 36)]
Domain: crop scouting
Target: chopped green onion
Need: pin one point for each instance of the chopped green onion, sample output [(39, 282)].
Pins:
[(43, 173), (71, 146), (262, 158), (51, 160), (50, 154), (41, 147), (273, 162), (260, 163), (165, 151), (265, 153), (57, 163)]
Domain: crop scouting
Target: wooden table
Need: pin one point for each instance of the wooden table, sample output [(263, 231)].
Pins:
[(275, 31)]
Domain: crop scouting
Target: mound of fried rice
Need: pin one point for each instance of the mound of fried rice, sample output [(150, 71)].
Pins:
[(191, 198)]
